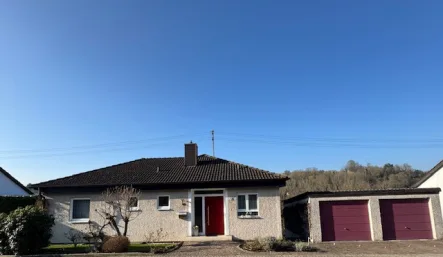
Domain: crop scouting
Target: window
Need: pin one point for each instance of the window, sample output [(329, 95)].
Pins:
[(198, 211), (247, 205), (163, 202), (80, 210), (133, 204)]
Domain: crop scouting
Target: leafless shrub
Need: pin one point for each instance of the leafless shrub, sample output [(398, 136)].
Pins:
[(74, 236), (156, 236), (116, 205)]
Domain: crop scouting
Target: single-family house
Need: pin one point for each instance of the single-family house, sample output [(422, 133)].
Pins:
[(366, 215), (11, 186), (433, 178), (220, 197)]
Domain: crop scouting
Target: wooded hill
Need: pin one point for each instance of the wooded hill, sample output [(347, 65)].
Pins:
[(353, 176)]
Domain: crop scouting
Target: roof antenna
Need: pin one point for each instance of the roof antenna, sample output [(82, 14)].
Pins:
[(213, 143)]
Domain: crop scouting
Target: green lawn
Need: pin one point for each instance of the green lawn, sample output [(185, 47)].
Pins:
[(66, 248), (84, 248)]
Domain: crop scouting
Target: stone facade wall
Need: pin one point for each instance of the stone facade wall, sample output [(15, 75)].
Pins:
[(149, 219), (269, 221), (175, 227)]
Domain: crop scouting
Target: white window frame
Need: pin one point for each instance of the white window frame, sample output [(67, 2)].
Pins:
[(246, 195), (136, 208), (163, 208), (71, 211)]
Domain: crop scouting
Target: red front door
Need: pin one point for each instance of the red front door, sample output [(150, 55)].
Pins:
[(214, 215)]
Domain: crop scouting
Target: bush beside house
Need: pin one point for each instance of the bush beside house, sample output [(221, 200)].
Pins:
[(10, 203), (116, 244), (271, 244), (25, 230)]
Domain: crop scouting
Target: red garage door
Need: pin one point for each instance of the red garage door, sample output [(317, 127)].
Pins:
[(345, 221), (405, 219)]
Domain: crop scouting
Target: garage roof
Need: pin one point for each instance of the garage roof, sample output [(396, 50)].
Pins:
[(394, 191)]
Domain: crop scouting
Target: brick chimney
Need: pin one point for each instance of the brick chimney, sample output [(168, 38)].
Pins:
[(191, 153)]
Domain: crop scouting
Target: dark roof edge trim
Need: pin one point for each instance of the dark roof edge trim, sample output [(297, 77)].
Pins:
[(4, 172), (429, 174), (402, 191), (224, 184)]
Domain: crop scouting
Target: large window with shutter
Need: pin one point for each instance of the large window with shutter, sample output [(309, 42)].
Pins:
[(247, 205)]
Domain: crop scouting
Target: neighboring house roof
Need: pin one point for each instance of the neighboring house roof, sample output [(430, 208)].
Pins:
[(15, 181), (394, 191), (152, 172), (429, 174)]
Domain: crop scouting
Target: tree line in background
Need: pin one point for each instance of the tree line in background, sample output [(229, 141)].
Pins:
[(353, 176)]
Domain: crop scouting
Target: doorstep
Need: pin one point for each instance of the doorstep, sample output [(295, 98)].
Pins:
[(208, 238)]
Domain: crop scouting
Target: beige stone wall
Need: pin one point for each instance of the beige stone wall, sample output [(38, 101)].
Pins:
[(436, 180), (269, 223), (150, 219), (374, 214)]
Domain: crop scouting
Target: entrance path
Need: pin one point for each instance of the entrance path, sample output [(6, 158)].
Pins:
[(210, 248)]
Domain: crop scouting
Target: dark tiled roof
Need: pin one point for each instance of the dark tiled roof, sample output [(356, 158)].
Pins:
[(429, 174), (391, 191), (161, 171), (15, 181)]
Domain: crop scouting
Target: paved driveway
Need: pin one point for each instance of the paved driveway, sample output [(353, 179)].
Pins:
[(368, 249)]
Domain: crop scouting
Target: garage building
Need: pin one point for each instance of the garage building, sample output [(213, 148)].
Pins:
[(374, 215)]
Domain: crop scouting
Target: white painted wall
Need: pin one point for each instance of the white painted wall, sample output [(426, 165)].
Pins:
[(8, 187), (435, 180)]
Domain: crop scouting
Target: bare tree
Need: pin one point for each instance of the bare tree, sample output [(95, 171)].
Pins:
[(119, 203)]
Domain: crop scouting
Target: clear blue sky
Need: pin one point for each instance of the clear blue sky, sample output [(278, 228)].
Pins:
[(322, 82)]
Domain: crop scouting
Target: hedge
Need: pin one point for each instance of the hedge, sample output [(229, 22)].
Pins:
[(10, 203), (25, 230)]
